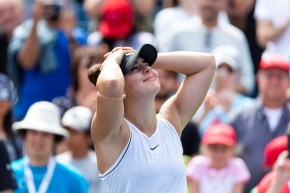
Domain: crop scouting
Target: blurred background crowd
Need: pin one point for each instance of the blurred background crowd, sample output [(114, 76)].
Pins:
[(46, 100)]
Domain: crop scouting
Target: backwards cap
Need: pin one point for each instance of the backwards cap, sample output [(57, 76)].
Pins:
[(147, 52)]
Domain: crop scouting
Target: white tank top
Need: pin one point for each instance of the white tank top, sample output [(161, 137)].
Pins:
[(149, 164)]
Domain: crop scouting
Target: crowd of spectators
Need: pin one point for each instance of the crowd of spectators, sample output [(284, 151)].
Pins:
[(47, 46)]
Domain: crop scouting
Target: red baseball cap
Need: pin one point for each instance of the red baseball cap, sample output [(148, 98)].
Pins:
[(219, 134), (117, 19), (274, 61), (273, 150)]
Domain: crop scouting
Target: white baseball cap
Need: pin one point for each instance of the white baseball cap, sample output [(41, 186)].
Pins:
[(78, 118), (42, 116), (227, 54)]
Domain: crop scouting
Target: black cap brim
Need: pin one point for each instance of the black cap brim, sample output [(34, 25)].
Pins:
[(147, 52)]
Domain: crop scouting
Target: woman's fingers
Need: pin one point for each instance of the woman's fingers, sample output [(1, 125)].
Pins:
[(124, 50), (107, 54)]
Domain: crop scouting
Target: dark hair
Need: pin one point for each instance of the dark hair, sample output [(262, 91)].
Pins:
[(94, 72), (57, 138), (92, 54), (12, 136)]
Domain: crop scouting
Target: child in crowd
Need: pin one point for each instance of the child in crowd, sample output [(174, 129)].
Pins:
[(217, 170)]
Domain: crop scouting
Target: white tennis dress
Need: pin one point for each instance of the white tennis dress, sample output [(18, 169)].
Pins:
[(149, 164)]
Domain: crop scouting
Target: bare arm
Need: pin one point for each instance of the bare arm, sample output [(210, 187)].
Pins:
[(193, 186), (199, 69), (239, 188), (108, 133), (29, 53), (281, 169), (266, 32)]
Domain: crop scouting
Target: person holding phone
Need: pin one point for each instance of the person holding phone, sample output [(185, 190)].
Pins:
[(145, 151), (277, 158), (39, 57), (268, 117)]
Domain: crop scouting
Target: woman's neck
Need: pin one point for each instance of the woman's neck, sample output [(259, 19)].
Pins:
[(143, 116)]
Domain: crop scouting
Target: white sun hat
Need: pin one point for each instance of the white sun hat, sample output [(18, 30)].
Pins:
[(42, 116), (78, 118)]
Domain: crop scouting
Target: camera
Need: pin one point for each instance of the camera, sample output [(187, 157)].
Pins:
[(52, 12)]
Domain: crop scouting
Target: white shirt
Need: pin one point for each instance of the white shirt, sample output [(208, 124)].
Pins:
[(149, 164), (168, 19), (278, 12), (273, 117), (192, 35)]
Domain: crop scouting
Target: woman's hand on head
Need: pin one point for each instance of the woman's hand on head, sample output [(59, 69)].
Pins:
[(117, 53)]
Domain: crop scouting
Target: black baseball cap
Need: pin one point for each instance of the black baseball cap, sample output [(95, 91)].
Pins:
[(147, 52)]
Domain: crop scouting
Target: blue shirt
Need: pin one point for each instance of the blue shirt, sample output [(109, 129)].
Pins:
[(44, 86), (65, 179)]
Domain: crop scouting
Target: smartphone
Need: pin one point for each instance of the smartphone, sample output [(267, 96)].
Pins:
[(288, 137), (288, 145)]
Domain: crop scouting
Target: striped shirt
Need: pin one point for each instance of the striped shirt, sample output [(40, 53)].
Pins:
[(253, 133), (194, 36)]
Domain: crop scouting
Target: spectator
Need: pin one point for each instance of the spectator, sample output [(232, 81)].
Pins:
[(77, 120), (39, 171), (117, 27), (241, 14), (204, 33), (7, 180), (39, 65), (218, 170), (276, 159), (81, 92), (7, 100), (166, 20), (11, 13), (267, 118), (273, 25), (224, 85)]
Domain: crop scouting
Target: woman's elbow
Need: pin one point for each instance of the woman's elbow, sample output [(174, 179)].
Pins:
[(211, 62), (112, 85)]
